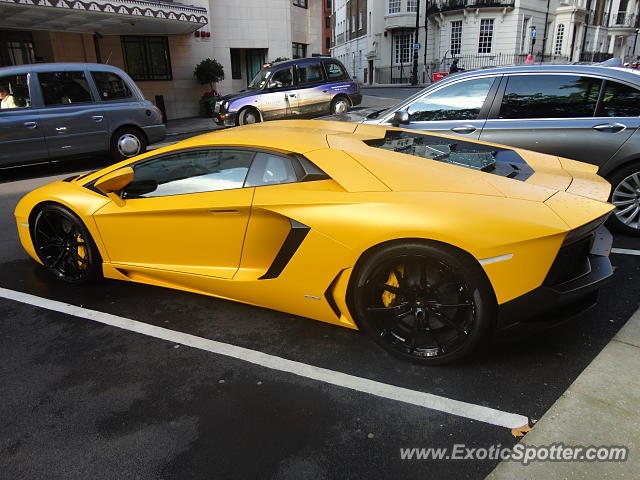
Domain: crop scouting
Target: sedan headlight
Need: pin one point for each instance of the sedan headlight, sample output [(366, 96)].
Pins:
[(584, 231)]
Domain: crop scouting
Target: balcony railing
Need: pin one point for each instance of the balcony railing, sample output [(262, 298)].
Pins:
[(447, 5), (623, 19)]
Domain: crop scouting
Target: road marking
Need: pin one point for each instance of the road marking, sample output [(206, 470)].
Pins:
[(625, 251), (379, 389)]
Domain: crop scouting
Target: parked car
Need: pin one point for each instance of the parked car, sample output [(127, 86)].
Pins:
[(429, 244), (584, 112), (60, 110), (303, 88)]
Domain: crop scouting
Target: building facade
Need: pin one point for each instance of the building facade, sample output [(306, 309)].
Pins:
[(159, 42), (480, 33)]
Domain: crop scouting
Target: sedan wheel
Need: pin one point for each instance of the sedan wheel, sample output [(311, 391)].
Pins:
[(249, 116), (626, 198), (423, 303), (64, 245), (126, 143)]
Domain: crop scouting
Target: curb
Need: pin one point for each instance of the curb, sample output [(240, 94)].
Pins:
[(600, 408)]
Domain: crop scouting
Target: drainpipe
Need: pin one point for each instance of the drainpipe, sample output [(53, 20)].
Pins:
[(544, 35), (96, 45), (414, 73)]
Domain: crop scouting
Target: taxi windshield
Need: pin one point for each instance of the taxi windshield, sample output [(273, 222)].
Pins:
[(261, 78)]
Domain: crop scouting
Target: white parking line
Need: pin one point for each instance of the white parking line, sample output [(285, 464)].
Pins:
[(625, 251), (421, 399)]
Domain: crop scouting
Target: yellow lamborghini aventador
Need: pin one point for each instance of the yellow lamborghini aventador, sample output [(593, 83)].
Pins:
[(428, 243)]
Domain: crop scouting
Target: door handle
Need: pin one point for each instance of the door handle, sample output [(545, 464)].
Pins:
[(292, 95), (31, 124), (61, 129), (609, 127), (464, 129), (98, 118), (325, 91)]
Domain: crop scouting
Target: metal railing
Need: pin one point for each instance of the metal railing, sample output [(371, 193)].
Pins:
[(447, 5), (623, 19), (595, 57)]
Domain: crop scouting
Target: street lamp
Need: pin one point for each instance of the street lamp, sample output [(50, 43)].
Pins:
[(416, 47)]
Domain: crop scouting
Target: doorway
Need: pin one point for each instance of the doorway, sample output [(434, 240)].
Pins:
[(255, 60)]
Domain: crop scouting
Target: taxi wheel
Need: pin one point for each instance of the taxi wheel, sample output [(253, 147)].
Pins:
[(339, 105), (248, 116), (127, 142), (64, 245), (625, 195), (424, 302)]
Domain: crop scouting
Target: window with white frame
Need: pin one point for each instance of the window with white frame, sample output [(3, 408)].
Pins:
[(524, 37), (485, 39), (394, 6), (353, 23), (360, 20), (402, 46), (559, 39), (456, 37), (412, 6)]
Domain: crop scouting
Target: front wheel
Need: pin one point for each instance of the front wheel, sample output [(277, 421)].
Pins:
[(64, 245), (424, 302), (625, 195), (248, 116)]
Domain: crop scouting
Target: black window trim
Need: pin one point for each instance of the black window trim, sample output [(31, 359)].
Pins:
[(94, 83), (494, 112), (169, 62), (298, 166)]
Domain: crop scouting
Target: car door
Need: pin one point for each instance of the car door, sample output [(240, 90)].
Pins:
[(184, 212), (72, 121), (457, 108), (21, 134), (313, 93), (278, 99), (556, 114)]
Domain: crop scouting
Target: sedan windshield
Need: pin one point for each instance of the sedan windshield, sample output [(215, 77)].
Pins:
[(261, 78)]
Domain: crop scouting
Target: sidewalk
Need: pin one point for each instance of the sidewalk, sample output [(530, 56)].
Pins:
[(601, 407)]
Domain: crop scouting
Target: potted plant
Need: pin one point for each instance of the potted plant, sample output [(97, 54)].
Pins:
[(209, 71)]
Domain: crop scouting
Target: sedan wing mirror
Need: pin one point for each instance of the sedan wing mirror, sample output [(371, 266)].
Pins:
[(400, 117), (114, 182)]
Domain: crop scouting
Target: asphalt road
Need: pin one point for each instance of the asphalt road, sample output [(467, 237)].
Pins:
[(85, 400)]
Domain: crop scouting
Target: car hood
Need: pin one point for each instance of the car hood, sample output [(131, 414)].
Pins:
[(237, 96)]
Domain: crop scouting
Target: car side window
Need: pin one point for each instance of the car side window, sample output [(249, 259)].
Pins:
[(282, 78), (14, 92), (271, 169), (459, 101), (550, 96), (335, 71), (193, 171), (64, 88), (309, 74), (110, 86), (620, 100)]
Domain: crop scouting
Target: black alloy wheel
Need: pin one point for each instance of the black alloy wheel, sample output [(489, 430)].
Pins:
[(65, 246), (424, 302)]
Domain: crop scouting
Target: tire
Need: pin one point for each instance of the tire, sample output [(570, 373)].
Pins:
[(248, 116), (127, 142), (340, 105), (64, 245), (403, 296), (625, 195)]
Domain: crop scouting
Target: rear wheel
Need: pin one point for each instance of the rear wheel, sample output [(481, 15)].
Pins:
[(65, 246), (625, 195), (339, 105), (424, 302), (127, 142)]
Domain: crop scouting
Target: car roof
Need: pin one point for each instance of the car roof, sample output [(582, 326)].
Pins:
[(614, 72), (58, 66)]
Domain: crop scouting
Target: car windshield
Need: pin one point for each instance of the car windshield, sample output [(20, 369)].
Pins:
[(261, 78)]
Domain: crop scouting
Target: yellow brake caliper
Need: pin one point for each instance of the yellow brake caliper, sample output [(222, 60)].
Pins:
[(82, 252), (389, 297)]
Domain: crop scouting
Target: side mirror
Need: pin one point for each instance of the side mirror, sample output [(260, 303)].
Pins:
[(114, 182), (400, 117)]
